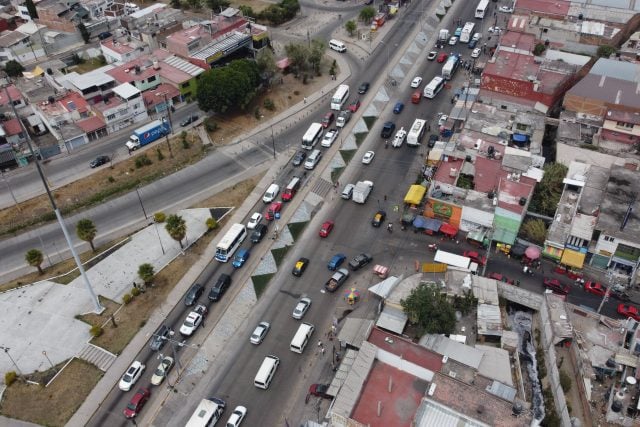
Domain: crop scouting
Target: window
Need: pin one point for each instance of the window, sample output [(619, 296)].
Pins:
[(151, 79), (624, 125), (503, 107), (111, 117), (609, 239)]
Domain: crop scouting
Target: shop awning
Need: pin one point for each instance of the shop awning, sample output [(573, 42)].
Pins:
[(552, 252), (572, 258), (518, 249), (477, 235), (448, 230), (415, 194)]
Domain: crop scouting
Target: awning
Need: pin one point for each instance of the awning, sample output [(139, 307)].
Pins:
[(572, 258), (283, 63), (392, 319), (552, 252), (532, 253), (448, 230), (477, 235), (518, 250), (415, 194)]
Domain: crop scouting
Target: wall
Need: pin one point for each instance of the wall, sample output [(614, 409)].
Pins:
[(565, 154)]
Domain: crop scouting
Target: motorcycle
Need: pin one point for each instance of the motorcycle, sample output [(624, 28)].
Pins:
[(433, 247), (390, 228)]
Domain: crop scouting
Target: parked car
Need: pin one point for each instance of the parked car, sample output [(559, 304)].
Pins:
[(160, 338), (191, 119), (220, 287), (476, 52), (301, 308), (241, 256), (397, 109), (326, 228), (505, 9), (298, 159), (237, 416), (472, 44), (363, 88), (432, 141), (193, 294), (360, 261), (255, 219), (320, 390), (104, 35), (400, 137), (99, 161), (327, 119), (416, 82), (432, 55), (458, 32), (442, 57), (475, 257), (193, 320), (300, 266), (162, 370), (136, 403), (132, 376), (259, 232), (258, 334), (627, 311), (556, 286), (501, 278), (442, 120), (453, 40), (336, 261), (387, 130), (347, 192), (595, 288), (496, 30), (368, 157), (274, 211), (354, 106), (378, 218)]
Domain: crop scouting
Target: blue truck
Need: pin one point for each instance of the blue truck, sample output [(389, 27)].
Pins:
[(147, 134)]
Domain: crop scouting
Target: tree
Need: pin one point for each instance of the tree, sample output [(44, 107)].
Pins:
[(366, 14), (177, 228), (176, 4), (84, 33), (146, 272), (86, 230), (31, 8), (194, 4), (218, 5), (232, 86), (534, 230), (351, 27), (605, 51), (247, 11), (540, 47), (548, 191), (34, 258), (316, 54), (298, 55), (13, 68), (266, 62), (429, 310)]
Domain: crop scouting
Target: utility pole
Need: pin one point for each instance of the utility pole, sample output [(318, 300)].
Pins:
[(273, 142), (168, 107)]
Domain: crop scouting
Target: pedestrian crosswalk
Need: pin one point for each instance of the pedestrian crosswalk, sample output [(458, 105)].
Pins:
[(322, 187)]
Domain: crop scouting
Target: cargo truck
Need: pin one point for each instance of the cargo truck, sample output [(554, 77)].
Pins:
[(338, 278), (450, 67), (443, 38), (147, 134), (361, 191)]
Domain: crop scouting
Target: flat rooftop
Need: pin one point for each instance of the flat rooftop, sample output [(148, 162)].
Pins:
[(406, 349)]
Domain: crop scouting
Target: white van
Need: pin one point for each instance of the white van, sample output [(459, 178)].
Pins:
[(266, 371), (271, 193), (337, 45), (313, 159), (301, 338), (207, 413)]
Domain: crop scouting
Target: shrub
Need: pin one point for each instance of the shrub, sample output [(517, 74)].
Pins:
[(126, 298), (142, 161), (296, 92), (185, 144), (212, 224), (159, 217), (565, 381), (111, 179), (10, 377), (257, 114), (160, 155), (269, 105), (135, 292), (96, 331), (210, 125)]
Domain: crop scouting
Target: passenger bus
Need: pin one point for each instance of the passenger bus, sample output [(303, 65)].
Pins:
[(340, 97), (230, 242), (417, 132), (207, 414), (482, 8), (467, 32), (434, 86), (312, 136)]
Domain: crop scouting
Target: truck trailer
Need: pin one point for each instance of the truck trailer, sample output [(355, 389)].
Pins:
[(147, 134)]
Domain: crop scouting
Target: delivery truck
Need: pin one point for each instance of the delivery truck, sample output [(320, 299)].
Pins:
[(361, 191), (147, 134)]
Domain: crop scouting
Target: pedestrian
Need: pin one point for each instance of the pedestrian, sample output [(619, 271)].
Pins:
[(305, 99), (428, 128), (322, 351), (385, 197), (319, 343)]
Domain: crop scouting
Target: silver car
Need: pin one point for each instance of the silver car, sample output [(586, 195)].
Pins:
[(301, 308), (259, 333)]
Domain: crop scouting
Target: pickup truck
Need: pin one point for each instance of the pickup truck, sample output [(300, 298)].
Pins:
[(338, 278)]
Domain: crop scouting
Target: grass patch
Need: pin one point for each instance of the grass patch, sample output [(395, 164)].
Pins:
[(347, 155), (360, 137), (335, 173), (69, 277), (87, 65), (54, 405), (297, 228), (260, 283), (279, 254), (93, 319), (369, 121)]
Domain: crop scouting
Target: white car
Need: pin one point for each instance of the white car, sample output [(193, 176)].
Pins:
[(237, 416), (476, 52), (401, 135), (476, 37), (416, 82), (259, 333), (506, 9), (432, 55), (254, 220), (162, 370), (132, 376), (443, 119), (193, 320), (301, 308), (329, 137), (368, 157), (496, 30), (453, 40)]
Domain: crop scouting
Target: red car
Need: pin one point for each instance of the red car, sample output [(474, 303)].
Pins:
[(327, 119), (273, 210), (501, 278), (629, 311), (442, 57), (354, 106), (595, 288), (555, 286), (326, 228), (137, 402), (475, 257), (319, 390)]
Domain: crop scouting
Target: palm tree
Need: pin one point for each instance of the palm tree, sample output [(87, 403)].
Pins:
[(34, 258), (176, 227), (146, 272), (86, 230)]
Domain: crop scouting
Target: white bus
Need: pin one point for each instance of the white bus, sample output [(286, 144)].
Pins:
[(230, 242), (417, 132), (207, 413), (467, 32), (312, 136), (340, 97), (482, 8), (434, 86)]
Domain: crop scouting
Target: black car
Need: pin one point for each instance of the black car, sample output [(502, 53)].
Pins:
[(378, 218), (364, 87), (191, 119), (99, 161), (258, 233), (194, 293), (220, 287), (300, 267), (387, 129), (472, 44), (360, 261), (432, 141), (299, 158), (160, 338), (104, 35)]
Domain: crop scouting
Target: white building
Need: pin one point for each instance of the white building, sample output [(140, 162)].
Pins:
[(125, 108)]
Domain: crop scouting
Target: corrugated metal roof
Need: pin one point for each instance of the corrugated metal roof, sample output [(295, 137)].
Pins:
[(184, 66), (384, 288), (223, 44), (431, 413), (392, 319), (464, 354), (349, 392), (489, 320), (617, 69), (355, 331)]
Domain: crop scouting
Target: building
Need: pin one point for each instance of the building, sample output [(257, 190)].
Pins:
[(60, 15), (122, 49), (95, 86), (153, 24), (123, 109)]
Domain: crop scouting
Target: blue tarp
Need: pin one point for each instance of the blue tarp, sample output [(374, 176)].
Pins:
[(422, 222), (517, 137)]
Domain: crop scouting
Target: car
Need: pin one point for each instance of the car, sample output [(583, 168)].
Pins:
[(132, 376), (500, 278), (363, 88), (458, 32), (387, 129), (237, 416), (255, 219), (505, 9), (368, 157), (496, 30), (162, 370), (453, 40), (258, 334), (258, 233), (416, 82), (193, 294), (347, 192), (301, 308), (442, 120), (136, 403), (193, 320), (397, 109), (432, 140), (378, 218), (432, 55), (273, 211), (595, 288), (556, 286), (327, 119), (475, 257), (336, 261), (476, 36), (360, 261), (354, 106), (191, 119), (629, 311), (401, 135), (300, 266), (472, 44), (99, 161), (329, 137), (241, 256), (160, 338), (220, 287), (442, 57), (326, 228), (476, 52), (298, 159), (319, 390)]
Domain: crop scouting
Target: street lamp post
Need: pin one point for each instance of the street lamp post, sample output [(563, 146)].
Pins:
[(6, 350), (44, 353), (168, 107), (141, 205), (273, 142)]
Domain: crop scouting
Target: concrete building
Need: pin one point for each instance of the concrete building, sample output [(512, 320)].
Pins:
[(122, 49), (60, 15), (95, 86), (124, 109), (153, 24)]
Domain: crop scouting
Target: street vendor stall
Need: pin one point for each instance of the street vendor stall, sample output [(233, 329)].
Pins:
[(381, 271), (448, 230), (415, 195)]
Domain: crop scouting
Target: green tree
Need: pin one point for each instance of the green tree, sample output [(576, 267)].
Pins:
[(605, 51), (194, 4), (13, 68), (176, 4), (540, 47), (565, 381), (429, 310), (366, 14), (548, 191), (247, 11), (86, 230), (534, 230), (84, 33), (146, 272), (266, 62), (316, 54), (34, 258), (31, 8), (233, 86), (351, 27), (298, 55), (177, 228), (218, 5)]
